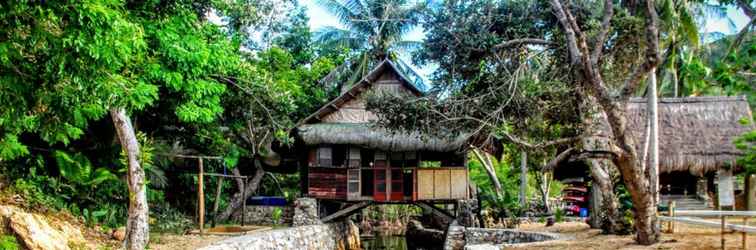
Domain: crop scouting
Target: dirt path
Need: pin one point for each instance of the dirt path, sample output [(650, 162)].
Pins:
[(685, 237)]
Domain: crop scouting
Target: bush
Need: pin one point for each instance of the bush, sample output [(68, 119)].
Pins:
[(8, 242), (170, 220)]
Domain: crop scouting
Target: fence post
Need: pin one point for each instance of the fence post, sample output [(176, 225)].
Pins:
[(201, 193), (672, 214), (722, 231), (745, 235)]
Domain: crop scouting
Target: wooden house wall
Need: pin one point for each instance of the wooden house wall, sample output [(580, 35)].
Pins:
[(442, 183), (353, 111), (327, 183)]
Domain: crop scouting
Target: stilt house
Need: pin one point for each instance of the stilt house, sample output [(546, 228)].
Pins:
[(346, 157)]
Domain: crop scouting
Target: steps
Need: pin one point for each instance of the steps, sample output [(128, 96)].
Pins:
[(685, 202)]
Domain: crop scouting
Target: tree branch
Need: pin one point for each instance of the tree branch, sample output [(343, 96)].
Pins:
[(605, 26), (530, 41), (551, 165), (559, 12)]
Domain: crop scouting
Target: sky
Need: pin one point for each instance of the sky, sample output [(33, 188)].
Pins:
[(320, 18)]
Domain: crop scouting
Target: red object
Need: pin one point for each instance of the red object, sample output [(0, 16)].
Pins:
[(574, 198), (380, 191), (578, 189), (397, 187)]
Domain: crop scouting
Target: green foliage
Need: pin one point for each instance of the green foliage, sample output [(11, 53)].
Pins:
[(277, 213), (506, 205), (170, 220), (747, 144), (8, 242), (559, 215), (78, 170)]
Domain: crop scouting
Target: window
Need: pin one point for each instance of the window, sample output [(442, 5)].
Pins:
[(354, 157), (380, 159), (339, 155), (325, 156), (403, 159)]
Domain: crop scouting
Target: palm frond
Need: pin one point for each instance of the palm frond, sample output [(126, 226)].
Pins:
[(333, 37), (406, 46)]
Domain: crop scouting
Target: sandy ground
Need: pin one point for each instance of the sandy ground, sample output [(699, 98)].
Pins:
[(578, 235), (685, 237), (181, 242)]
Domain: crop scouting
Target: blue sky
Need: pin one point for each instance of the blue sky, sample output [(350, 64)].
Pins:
[(319, 18)]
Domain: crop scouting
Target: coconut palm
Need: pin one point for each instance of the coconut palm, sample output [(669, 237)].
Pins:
[(373, 31), (681, 21)]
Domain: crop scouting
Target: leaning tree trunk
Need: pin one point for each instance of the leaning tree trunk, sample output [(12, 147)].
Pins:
[(544, 185), (249, 189), (137, 226), (611, 219), (523, 179), (485, 160)]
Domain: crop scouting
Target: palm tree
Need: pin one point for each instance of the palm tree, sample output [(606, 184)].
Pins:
[(373, 31), (681, 21)]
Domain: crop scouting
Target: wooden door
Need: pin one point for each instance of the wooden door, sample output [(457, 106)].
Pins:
[(396, 179), (380, 193)]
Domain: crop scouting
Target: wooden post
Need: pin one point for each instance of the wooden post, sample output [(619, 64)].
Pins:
[(722, 231), (745, 235), (672, 214), (244, 200), (201, 194)]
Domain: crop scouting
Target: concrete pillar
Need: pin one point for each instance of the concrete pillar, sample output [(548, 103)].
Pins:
[(702, 189), (305, 212)]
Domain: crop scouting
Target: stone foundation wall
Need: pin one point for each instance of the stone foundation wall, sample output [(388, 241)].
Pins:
[(459, 237), (263, 215), (503, 236), (332, 236)]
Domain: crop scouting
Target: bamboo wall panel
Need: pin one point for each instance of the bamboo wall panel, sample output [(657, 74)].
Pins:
[(425, 184), (442, 184), (458, 184)]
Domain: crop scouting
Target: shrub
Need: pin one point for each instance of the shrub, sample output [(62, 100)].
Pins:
[(8, 242)]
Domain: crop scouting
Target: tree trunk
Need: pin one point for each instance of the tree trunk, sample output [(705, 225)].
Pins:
[(644, 207), (544, 185), (610, 218), (653, 117), (237, 201), (137, 226), (485, 160), (523, 179)]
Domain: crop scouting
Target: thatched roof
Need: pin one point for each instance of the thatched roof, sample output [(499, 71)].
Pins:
[(370, 136), (696, 133), (360, 87)]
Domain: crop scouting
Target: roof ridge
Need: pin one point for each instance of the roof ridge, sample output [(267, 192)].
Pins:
[(693, 99)]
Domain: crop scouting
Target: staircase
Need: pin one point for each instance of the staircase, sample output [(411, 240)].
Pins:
[(685, 202)]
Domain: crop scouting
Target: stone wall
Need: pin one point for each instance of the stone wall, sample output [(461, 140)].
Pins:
[(332, 236), (459, 237), (503, 236), (263, 215)]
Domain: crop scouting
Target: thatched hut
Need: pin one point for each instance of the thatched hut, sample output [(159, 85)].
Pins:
[(346, 157), (696, 139)]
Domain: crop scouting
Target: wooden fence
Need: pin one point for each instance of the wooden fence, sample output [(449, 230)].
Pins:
[(692, 217)]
